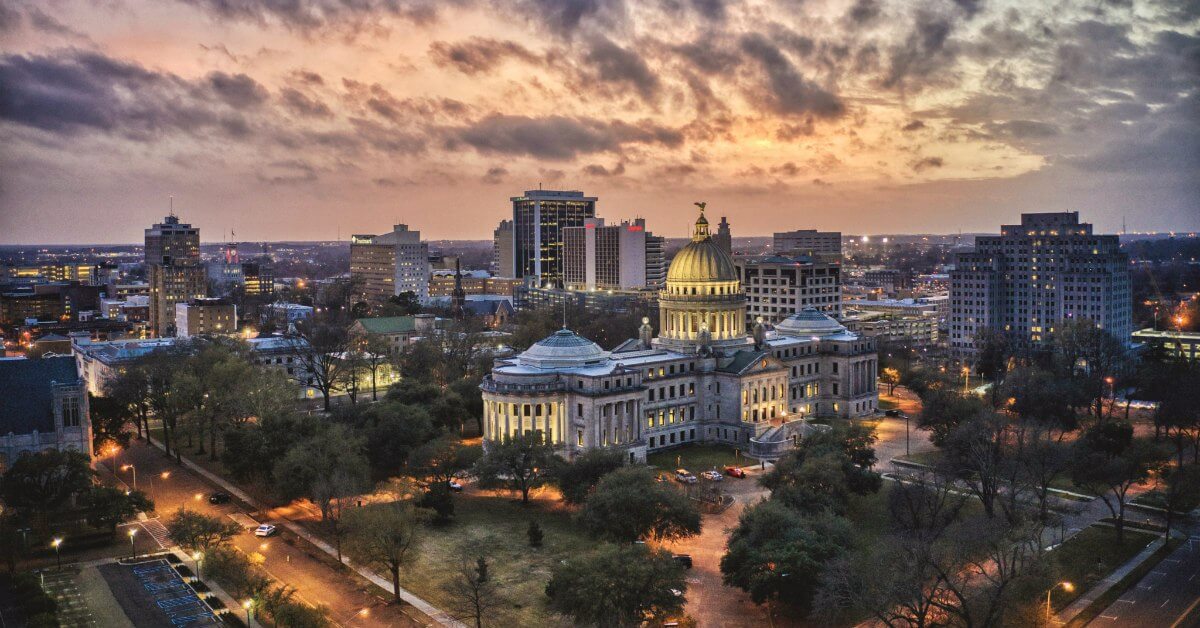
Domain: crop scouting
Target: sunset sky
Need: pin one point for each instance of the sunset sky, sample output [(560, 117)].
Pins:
[(300, 119)]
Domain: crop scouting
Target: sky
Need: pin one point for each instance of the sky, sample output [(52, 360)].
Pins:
[(310, 119)]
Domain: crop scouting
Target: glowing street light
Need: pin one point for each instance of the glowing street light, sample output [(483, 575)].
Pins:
[(132, 546), (1066, 586), (129, 467), (248, 604), (57, 543), (196, 560)]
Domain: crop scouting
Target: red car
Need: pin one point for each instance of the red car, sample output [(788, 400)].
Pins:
[(735, 472)]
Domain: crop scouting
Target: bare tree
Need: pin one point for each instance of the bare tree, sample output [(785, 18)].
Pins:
[(320, 349), (473, 591)]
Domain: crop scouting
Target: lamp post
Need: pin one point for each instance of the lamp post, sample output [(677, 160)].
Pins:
[(57, 543), (132, 546), (129, 467), (966, 371), (196, 561), (1066, 586), (906, 451), (248, 604)]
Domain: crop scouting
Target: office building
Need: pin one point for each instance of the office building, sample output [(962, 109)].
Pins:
[(1178, 344), (779, 286), (656, 261), (386, 265), (226, 271), (258, 277), (539, 218), (597, 256), (174, 270), (810, 242), (703, 379), (937, 306), (86, 274), (724, 237), (205, 317), (474, 282), (1033, 277), (913, 331), (502, 250), (43, 406)]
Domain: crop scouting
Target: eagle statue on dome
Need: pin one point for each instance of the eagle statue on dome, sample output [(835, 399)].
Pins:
[(701, 205)]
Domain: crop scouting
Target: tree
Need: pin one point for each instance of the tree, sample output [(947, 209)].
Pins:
[(393, 432), (108, 507), (474, 595), (577, 478), (333, 493), (109, 418), (129, 391), (826, 469), (43, 482), (1110, 468), (439, 459), (1091, 356), (638, 585), (385, 536), (977, 456), (943, 408), (1038, 396), (629, 505), (993, 352), (1180, 489), (891, 377), (375, 356), (440, 500), (198, 532), (777, 554), (521, 463), (336, 447), (319, 349)]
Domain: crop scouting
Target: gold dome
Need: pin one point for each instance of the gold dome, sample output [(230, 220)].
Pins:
[(702, 260)]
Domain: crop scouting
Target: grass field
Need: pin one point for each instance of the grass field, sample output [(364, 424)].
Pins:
[(697, 458), (500, 523), (1089, 556)]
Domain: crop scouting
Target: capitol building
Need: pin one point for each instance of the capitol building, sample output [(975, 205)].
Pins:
[(704, 379)]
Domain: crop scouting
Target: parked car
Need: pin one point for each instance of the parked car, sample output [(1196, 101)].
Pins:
[(219, 498), (685, 476), (455, 486), (712, 476), (265, 530), (735, 472), (895, 413), (683, 559)]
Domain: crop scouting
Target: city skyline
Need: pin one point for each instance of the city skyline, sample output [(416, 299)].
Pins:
[(863, 116)]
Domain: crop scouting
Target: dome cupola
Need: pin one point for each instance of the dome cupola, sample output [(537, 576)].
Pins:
[(809, 322), (562, 349)]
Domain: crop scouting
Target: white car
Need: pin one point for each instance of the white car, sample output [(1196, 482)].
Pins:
[(712, 476), (265, 530), (455, 486)]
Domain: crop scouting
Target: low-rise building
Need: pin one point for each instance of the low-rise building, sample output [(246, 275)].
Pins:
[(1180, 344), (43, 405), (915, 331), (396, 332), (282, 314), (205, 317)]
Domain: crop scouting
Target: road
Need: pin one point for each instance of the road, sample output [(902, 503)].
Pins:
[(1164, 596), (286, 558)]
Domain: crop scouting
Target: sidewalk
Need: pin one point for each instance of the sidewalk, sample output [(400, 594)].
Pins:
[(1082, 602), (428, 609)]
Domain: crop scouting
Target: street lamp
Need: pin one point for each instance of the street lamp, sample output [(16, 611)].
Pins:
[(57, 555), (132, 546), (966, 371), (1066, 586), (196, 561), (129, 467), (248, 604)]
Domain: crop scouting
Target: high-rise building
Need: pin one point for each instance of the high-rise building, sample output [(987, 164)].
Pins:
[(539, 217), (1033, 277), (724, 238), (386, 265), (597, 256), (779, 286), (174, 270), (226, 270), (823, 244), (502, 250), (656, 261)]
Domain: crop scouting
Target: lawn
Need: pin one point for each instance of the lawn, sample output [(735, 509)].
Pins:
[(927, 458), (697, 458), (885, 404), (1089, 556), (522, 571)]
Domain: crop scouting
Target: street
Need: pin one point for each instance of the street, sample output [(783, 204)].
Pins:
[(289, 560), (1164, 596)]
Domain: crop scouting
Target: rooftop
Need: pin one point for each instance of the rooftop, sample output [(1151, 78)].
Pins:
[(26, 392)]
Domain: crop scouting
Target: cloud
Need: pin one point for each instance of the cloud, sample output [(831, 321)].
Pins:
[(238, 90), (597, 170), (304, 105), (787, 91), (863, 12), (557, 137), (1023, 129), (915, 125), (76, 91), (615, 64), (314, 15), (788, 169), (495, 175), (923, 164), (477, 54), (564, 18), (923, 52)]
